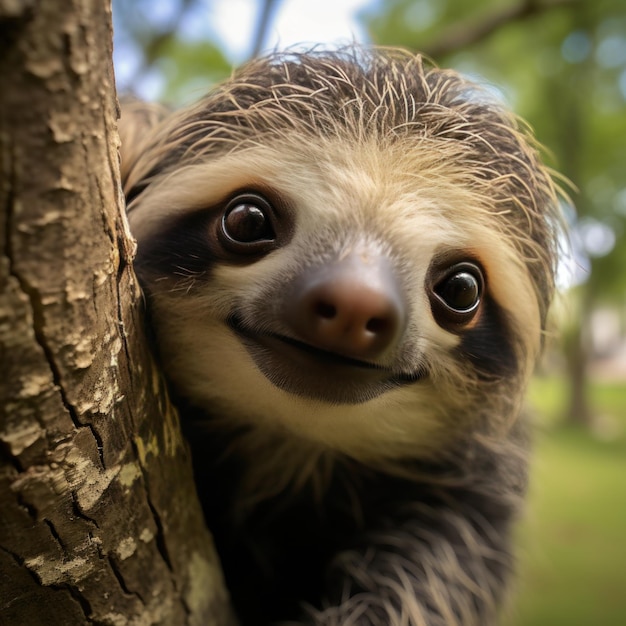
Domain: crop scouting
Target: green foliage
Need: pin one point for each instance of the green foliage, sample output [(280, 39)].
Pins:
[(573, 548), (166, 50), (190, 69), (563, 68)]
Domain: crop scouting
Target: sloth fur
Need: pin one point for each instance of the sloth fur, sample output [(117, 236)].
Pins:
[(348, 258)]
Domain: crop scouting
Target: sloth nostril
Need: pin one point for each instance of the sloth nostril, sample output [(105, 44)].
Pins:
[(377, 325), (325, 310)]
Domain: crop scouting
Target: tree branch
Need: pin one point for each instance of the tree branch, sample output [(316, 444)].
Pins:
[(269, 6), (463, 35)]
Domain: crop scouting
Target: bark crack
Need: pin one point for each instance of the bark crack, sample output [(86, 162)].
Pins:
[(115, 570), (20, 563), (122, 583), (160, 537), (99, 442), (37, 308), (80, 513), (160, 534), (82, 601), (55, 534)]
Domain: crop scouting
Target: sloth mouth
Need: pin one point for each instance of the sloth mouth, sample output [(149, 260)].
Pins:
[(308, 371)]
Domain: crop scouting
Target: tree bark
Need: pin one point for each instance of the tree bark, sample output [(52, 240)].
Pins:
[(99, 520)]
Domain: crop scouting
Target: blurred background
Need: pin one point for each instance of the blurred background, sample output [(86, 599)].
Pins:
[(560, 64)]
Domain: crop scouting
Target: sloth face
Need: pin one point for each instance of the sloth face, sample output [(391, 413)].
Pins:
[(346, 299), (367, 290)]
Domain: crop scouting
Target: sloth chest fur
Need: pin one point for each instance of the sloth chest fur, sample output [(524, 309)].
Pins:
[(277, 549), (281, 544)]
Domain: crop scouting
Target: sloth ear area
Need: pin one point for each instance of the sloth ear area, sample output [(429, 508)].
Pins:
[(137, 119)]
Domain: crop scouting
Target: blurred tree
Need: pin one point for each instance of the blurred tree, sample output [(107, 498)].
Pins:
[(562, 66), (265, 19)]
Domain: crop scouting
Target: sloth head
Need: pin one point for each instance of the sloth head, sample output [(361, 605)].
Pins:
[(350, 247)]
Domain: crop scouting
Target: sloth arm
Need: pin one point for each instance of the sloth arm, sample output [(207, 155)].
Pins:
[(431, 564), (375, 550), (415, 556)]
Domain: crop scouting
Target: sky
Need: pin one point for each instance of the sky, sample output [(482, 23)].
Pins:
[(232, 23), (296, 21)]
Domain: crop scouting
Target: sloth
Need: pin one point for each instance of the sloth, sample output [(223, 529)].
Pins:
[(348, 257)]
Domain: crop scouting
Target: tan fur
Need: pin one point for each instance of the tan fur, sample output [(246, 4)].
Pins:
[(379, 155)]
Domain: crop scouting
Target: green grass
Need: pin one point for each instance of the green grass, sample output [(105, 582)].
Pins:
[(573, 543)]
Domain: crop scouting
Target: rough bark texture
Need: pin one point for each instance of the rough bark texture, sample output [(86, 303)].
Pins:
[(99, 520)]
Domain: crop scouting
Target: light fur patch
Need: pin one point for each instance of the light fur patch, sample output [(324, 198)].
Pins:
[(408, 207)]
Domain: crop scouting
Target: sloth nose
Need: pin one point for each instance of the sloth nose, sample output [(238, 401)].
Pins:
[(353, 307)]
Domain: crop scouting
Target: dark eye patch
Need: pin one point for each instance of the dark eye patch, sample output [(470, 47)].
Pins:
[(238, 230), (184, 247), (490, 344)]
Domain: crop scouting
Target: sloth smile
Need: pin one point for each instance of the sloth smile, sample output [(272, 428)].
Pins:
[(312, 372)]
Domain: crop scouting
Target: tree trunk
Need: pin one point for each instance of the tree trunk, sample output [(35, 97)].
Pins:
[(576, 344), (576, 350), (99, 520)]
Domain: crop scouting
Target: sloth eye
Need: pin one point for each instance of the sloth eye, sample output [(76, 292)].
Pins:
[(246, 225), (458, 293)]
